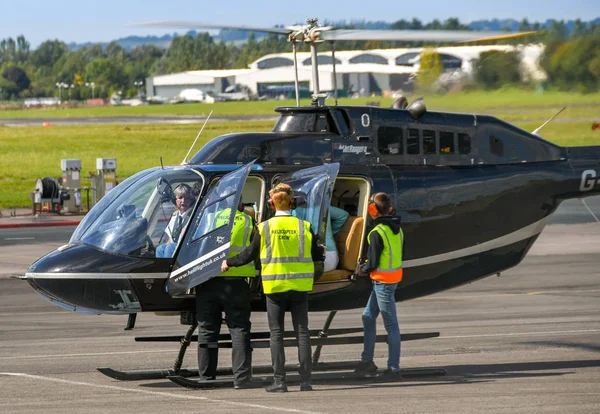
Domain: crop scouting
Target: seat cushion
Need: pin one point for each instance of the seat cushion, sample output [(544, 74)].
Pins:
[(335, 274), (348, 241), (250, 212)]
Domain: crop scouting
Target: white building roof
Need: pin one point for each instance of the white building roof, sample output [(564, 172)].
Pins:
[(530, 55), (196, 77)]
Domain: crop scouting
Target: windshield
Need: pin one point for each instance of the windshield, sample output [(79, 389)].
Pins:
[(150, 212), (305, 122)]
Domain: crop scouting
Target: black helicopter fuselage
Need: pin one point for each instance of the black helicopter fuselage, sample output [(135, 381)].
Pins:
[(473, 193)]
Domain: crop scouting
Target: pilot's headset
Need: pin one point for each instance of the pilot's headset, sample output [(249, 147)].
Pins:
[(373, 209), (282, 188)]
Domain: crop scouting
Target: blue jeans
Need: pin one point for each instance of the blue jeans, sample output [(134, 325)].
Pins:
[(382, 300), (166, 250)]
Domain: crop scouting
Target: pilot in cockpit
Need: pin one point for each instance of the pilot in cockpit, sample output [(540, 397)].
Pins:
[(184, 200)]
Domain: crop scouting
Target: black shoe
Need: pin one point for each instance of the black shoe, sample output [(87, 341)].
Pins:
[(248, 384), (305, 386), (366, 369), (277, 386), (388, 374)]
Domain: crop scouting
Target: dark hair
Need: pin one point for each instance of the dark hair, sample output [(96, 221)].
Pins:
[(382, 203)]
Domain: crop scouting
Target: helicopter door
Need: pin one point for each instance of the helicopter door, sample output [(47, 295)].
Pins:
[(312, 189), (206, 242)]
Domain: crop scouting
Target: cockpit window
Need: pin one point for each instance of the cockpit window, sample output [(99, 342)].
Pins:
[(145, 218), (318, 122)]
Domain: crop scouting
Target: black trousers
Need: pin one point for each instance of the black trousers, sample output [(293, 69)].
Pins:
[(230, 295), (297, 303)]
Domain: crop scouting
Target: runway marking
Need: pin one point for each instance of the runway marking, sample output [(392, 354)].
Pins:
[(158, 351), (541, 292), (500, 295), (29, 313), (19, 238), (521, 334), (157, 393)]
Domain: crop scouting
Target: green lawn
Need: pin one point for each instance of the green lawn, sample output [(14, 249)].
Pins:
[(29, 153), (494, 102)]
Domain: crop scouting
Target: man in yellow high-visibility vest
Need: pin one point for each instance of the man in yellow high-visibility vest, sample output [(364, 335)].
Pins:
[(287, 248), (228, 293), (384, 266)]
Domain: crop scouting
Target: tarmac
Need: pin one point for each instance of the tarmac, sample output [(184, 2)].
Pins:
[(24, 217), (527, 341)]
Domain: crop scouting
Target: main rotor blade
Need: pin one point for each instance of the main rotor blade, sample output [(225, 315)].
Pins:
[(169, 24), (420, 35), (504, 36)]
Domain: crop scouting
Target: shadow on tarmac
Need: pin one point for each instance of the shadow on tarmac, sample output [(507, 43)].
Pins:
[(456, 374)]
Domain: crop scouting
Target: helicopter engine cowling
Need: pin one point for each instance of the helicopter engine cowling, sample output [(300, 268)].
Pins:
[(400, 103), (417, 108)]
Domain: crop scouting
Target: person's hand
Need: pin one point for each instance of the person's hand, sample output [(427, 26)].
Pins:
[(324, 247), (224, 266), (360, 272)]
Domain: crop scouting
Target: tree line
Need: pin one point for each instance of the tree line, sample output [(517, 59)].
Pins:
[(571, 60)]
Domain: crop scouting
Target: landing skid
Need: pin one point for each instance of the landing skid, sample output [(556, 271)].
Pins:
[(315, 378), (319, 338)]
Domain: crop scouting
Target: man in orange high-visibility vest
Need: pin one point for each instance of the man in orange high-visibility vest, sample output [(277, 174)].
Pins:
[(384, 265)]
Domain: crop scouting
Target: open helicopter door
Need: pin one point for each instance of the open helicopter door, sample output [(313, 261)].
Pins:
[(206, 242), (312, 189)]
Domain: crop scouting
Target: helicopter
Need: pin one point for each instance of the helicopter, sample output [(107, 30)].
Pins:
[(473, 193)]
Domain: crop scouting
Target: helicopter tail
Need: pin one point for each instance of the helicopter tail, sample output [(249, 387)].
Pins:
[(585, 165)]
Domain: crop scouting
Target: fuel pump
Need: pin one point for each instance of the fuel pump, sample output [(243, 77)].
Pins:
[(105, 179), (70, 193)]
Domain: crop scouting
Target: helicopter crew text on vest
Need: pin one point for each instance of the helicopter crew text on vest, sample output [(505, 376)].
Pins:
[(287, 248)]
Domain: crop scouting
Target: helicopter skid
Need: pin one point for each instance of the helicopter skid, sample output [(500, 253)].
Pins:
[(317, 377), (259, 369), (319, 338)]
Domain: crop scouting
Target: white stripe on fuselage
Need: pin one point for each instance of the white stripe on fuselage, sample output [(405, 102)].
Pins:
[(34, 275), (508, 239), (200, 259)]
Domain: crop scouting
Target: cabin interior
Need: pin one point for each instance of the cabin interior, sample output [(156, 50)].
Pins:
[(350, 194)]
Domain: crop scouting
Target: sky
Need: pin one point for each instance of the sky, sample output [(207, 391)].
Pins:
[(103, 21)]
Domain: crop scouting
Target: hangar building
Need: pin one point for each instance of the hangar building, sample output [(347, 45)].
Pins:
[(364, 71)]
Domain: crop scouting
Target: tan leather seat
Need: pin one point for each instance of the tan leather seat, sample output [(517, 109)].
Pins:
[(348, 241), (249, 210)]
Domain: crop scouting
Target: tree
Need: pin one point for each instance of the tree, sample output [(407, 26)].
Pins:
[(401, 25), (579, 29), (430, 68), (434, 25), (524, 26), (22, 54), (495, 69), (18, 76), (8, 51), (416, 24), (105, 72), (49, 53), (454, 24), (9, 88)]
